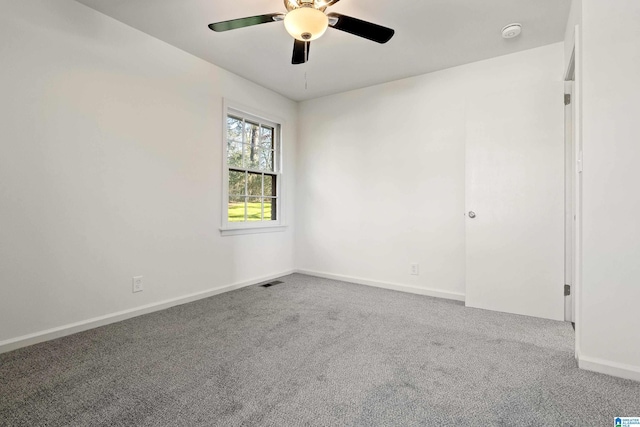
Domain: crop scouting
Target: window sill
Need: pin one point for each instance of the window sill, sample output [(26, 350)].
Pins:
[(255, 229)]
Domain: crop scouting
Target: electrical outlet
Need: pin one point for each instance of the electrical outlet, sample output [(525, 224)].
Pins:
[(137, 284), (415, 269)]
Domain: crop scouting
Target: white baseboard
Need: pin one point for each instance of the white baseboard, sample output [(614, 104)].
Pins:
[(609, 368), (393, 286), (72, 328)]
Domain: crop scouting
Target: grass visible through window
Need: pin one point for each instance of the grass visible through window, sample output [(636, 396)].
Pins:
[(254, 212)]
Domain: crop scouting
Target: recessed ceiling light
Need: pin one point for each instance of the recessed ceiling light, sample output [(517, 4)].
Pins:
[(511, 31)]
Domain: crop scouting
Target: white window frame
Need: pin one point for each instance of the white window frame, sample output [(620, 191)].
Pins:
[(234, 228)]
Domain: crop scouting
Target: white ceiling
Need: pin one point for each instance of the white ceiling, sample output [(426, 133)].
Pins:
[(430, 35)]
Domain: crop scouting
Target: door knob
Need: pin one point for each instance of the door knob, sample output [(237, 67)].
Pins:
[(472, 214)]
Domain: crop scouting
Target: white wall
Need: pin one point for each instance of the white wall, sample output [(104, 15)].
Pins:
[(382, 172), (610, 293), (111, 167)]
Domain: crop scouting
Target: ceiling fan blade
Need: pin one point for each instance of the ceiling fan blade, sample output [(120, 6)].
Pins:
[(300, 52), (358, 27), (244, 22)]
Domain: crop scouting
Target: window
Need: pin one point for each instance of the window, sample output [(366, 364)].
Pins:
[(252, 166)]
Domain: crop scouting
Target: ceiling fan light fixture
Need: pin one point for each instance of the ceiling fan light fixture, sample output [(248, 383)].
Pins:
[(306, 23)]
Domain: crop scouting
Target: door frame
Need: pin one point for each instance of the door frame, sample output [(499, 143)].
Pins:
[(569, 194), (573, 74)]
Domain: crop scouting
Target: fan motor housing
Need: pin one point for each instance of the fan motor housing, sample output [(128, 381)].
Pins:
[(316, 4)]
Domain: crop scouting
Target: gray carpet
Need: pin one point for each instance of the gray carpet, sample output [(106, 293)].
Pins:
[(312, 352)]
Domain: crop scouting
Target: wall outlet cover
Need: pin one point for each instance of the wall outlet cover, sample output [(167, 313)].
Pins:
[(137, 284), (415, 269)]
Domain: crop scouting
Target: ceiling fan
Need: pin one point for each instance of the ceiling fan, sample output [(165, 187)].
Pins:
[(306, 20)]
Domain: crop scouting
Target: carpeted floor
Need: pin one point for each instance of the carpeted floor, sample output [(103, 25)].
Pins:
[(312, 352)]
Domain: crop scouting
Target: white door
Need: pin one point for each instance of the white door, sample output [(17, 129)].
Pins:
[(515, 187)]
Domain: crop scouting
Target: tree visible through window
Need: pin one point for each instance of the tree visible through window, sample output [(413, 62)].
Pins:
[(252, 161)]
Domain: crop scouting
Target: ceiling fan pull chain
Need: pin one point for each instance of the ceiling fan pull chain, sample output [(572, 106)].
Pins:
[(306, 58)]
